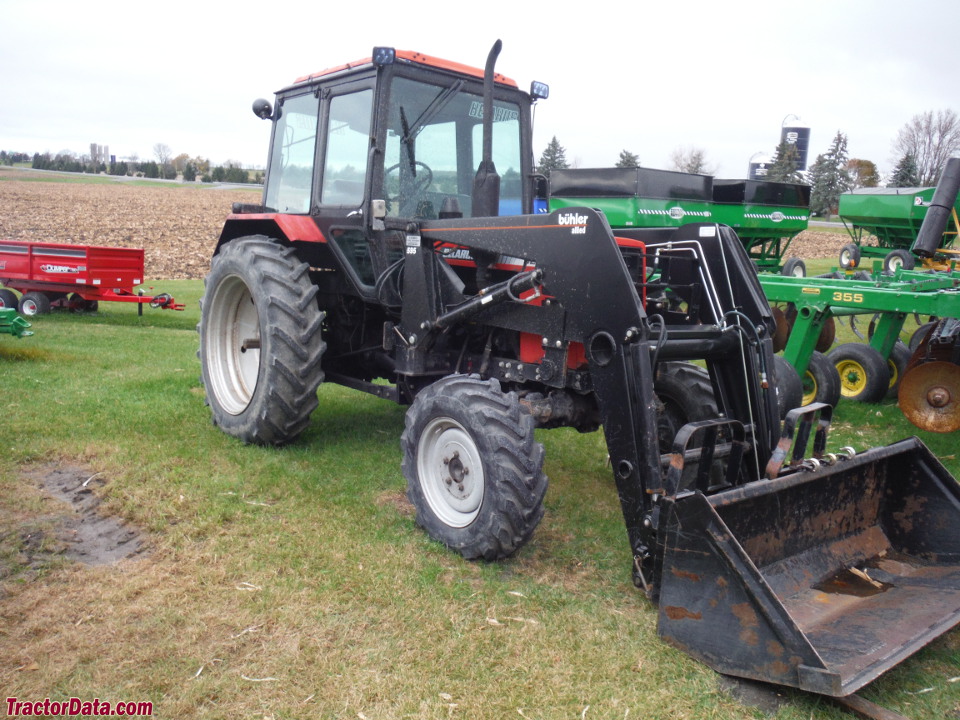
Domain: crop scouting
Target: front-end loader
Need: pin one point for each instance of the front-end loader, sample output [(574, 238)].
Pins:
[(396, 252)]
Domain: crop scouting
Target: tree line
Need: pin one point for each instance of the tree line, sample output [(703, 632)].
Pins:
[(166, 167), (922, 146)]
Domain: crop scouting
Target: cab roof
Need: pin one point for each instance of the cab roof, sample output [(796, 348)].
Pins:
[(411, 56)]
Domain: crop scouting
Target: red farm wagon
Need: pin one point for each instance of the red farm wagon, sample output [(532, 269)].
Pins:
[(77, 277)]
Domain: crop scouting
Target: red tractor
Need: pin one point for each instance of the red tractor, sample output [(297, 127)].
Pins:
[(396, 252)]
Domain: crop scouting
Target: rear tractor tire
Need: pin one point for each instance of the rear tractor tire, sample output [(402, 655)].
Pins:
[(260, 341), (474, 472), (864, 374)]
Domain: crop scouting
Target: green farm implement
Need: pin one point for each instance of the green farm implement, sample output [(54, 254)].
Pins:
[(929, 394), (766, 215), (894, 217), (13, 324)]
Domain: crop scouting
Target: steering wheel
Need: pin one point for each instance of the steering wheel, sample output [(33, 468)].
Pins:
[(420, 183)]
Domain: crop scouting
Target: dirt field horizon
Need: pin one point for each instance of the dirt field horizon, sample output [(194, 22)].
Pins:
[(176, 225)]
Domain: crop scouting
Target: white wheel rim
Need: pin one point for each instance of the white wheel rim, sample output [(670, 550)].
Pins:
[(232, 344), (29, 307), (450, 472)]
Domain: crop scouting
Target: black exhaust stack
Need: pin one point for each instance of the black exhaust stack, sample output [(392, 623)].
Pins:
[(486, 183), (938, 214)]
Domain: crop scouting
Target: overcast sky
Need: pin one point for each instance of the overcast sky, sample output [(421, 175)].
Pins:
[(648, 77)]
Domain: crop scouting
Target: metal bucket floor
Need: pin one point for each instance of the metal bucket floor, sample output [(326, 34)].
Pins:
[(862, 625)]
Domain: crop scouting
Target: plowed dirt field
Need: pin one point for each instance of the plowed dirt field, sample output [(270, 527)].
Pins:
[(177, 225)]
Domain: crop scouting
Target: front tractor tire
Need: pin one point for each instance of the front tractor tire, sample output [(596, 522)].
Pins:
[(474, 472), (260, 341)]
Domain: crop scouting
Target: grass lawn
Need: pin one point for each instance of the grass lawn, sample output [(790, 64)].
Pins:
[(293, 583)]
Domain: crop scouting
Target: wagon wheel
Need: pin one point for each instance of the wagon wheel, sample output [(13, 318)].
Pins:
[(821, 383), (34, 303), (920, 334), (897, 362), (849, 256), (897, 259), (788, 384), (8, 299), (77, 303), (794, 267), (864, 374)]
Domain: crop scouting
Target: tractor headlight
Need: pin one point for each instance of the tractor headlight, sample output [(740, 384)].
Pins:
[(384, 56)]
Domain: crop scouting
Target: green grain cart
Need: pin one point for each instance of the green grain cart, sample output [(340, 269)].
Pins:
[(766, 215), (883, 223)]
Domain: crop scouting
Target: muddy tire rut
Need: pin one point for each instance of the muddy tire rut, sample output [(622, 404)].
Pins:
[(82, 531)]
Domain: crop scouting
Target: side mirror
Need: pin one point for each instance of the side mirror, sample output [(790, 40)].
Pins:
[(262, 109), (541, 187)]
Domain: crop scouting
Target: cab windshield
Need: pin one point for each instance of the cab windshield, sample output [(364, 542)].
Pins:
[(434, 145)]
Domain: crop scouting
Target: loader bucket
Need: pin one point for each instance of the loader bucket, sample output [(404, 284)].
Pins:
[(820, 580)]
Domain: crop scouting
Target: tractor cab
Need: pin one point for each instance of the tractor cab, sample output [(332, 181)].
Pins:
[(365, 148), (399, 135)]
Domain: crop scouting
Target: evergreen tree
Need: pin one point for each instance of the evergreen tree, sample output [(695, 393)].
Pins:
[(829, 177), (554, 157), (906, 173), (628, 160), (785, 165)]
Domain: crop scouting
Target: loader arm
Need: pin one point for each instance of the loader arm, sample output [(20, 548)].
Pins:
[(594, 301)]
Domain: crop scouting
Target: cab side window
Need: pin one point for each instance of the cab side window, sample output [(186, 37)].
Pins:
[(292, 155), (348, 143)]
